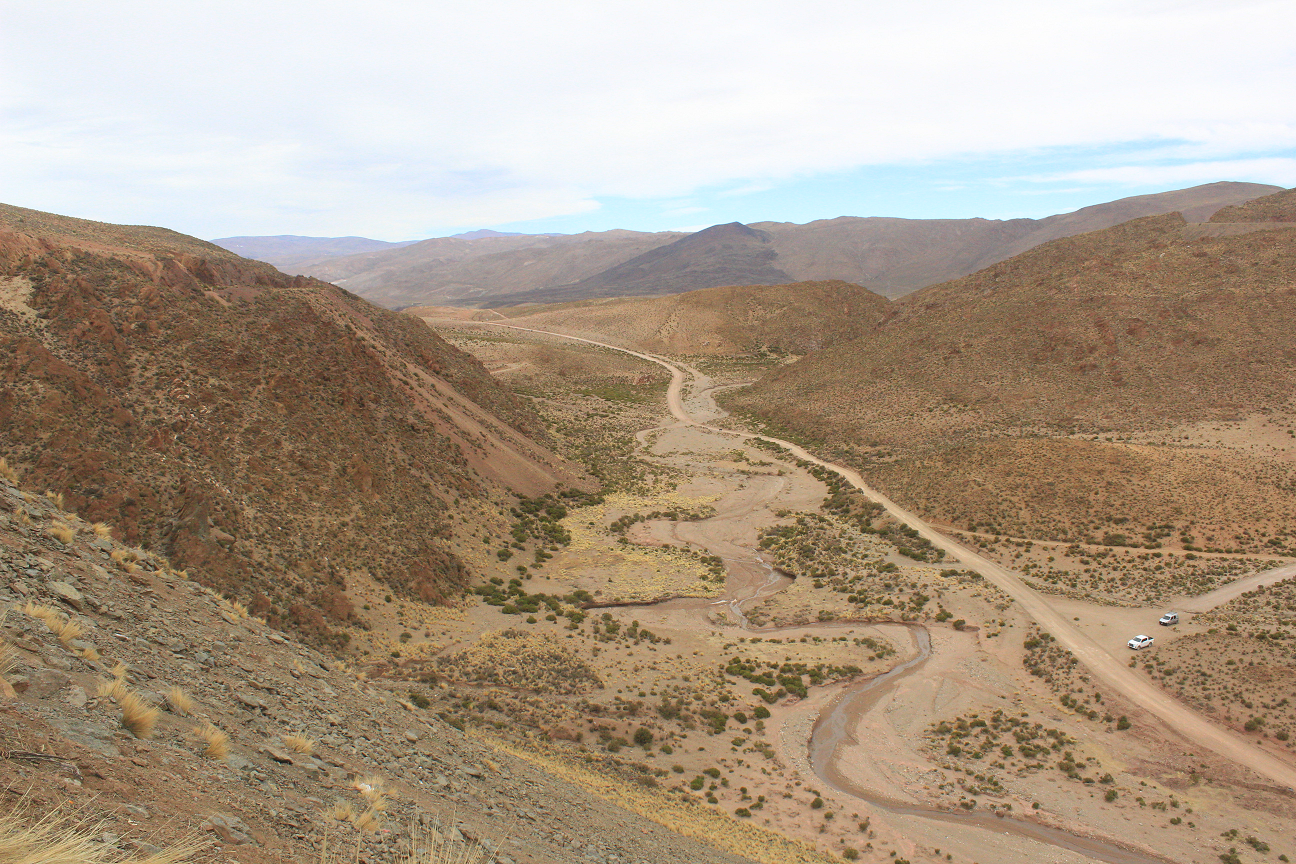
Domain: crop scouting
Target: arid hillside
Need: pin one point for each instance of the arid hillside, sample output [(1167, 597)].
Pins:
[(1092, 379), (889, 256), (786, 319), (277, 434)]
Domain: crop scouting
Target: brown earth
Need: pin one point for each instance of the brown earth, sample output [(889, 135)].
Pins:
[(277, 434)]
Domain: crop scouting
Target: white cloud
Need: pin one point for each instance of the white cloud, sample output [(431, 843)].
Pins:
[(392, 118)]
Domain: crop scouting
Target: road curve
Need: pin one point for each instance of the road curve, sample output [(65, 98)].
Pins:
[(1105, 666)]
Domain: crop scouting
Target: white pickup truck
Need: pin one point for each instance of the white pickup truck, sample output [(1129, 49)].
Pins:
[(1140, 642)]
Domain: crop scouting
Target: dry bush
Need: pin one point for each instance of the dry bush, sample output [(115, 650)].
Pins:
[(215, 740), (102, 530), (21, 516), (138, 716), (62, 532), (56, 498), (7, 471), (299, 744), (179, 701)]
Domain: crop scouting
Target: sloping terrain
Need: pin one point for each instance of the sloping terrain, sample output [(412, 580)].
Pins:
[(155, 712), (289, 251), (890, 256), (795, 318), (278, 434), (984, 399)]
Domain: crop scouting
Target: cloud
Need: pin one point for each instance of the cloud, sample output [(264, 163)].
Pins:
[(393, 119)]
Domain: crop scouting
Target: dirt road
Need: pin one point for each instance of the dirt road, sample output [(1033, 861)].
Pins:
[(1111, 669)]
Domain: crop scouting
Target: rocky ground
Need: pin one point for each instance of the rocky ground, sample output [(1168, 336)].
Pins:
[(124, 622)]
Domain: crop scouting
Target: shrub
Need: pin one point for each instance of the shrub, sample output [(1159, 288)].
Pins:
[(1110, 796), (959, 624), (643, 737), (817, 803), (1122, 722), (763, 713)]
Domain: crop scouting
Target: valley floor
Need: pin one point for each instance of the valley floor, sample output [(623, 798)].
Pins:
[(997, 744)]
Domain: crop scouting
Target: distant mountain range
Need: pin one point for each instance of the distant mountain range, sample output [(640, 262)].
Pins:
[(886, 255)]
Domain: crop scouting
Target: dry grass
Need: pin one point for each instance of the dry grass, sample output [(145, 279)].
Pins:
[(42, 612), (67, 631), (371, 788), (216, 741), (102, 530), (371, 819), (138, 716), (179, 701), (89, 653), (62, 532), (7, 472), (56, 498), (299, 744), (112, 688), (58, 838), (438, 844), (341, 811)]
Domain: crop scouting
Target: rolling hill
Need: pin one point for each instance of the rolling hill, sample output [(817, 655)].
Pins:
[(889, 256), (1055, 390)]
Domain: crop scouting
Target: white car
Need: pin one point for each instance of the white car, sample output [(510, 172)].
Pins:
[(1169, 619), (1139, 642)]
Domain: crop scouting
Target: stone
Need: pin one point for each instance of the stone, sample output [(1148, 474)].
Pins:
[(230, 829), (76, 696), (41, 683), (67, 594), (277, 755), (247, 700)]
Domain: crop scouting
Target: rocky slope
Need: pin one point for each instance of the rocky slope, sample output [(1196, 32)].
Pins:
[(277, 434), (244, 738)]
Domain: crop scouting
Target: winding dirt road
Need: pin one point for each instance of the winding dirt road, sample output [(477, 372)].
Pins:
[(1112, 670)]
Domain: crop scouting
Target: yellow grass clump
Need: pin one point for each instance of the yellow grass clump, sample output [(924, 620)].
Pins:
[(42, 612), (112, 688), (62, 532), (67, 631), (102, 530), (437, 844), (7, 471), (341, 811), (179, 701), (56, 498), (299, 744), (216, 741), (138, 716), (88, 653), (370, 820)]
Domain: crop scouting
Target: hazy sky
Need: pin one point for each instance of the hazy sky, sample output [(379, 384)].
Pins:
[(402, 120)]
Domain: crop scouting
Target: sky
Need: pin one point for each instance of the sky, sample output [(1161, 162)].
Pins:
[(404, 120)]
